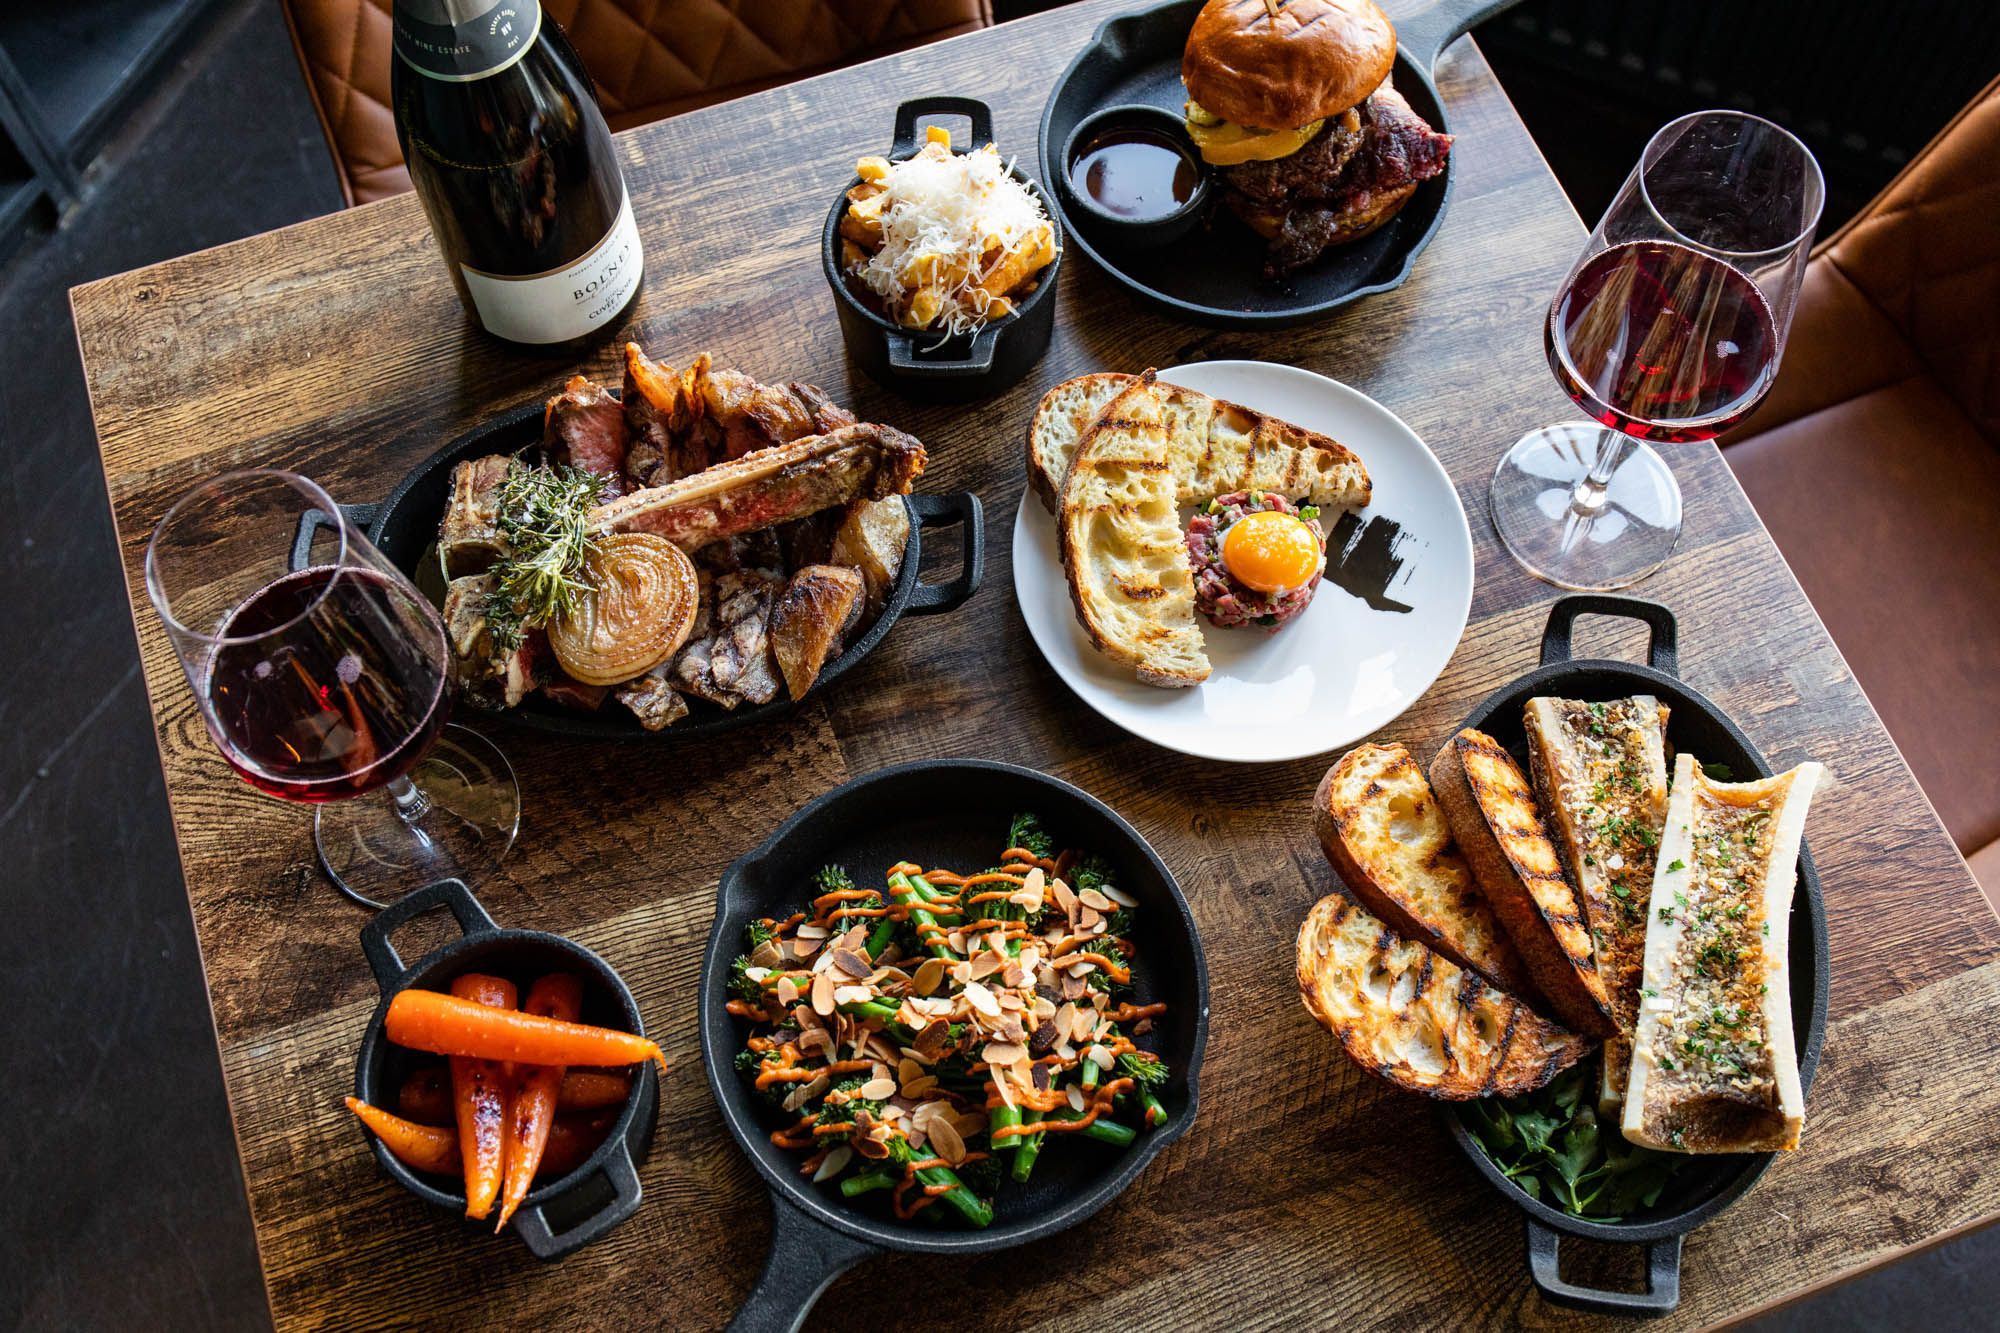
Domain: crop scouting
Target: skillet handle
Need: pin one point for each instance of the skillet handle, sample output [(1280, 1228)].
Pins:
[(1425, 36), (907, 143), (1662, 645), (977, 358), (620, 1174), (361, 517), (380, 950), (1663, 1277), (806, 1256), (940, 511)]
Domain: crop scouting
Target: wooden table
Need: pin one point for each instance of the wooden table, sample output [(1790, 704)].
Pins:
[(336, 348)]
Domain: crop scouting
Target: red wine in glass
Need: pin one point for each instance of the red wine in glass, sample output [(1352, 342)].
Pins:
[(316, 691), (1662, 342)]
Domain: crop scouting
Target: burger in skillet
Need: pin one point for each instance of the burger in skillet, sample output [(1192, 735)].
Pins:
[(1291, 101)]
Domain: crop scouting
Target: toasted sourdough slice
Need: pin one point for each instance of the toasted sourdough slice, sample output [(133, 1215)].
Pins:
[(1418, 1019), (1491, 811), (1600, 772), (1383, 831), (1122, 546), (1061, 420), (1713, 1064)]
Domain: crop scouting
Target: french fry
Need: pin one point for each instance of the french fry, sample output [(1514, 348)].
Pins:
[(924, 305), (1027, 258), (862, 222), (872, 169), (937, 134), (851, 255)]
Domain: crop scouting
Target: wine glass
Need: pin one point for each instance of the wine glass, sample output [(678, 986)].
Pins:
[(324, 678), (1669, 328)]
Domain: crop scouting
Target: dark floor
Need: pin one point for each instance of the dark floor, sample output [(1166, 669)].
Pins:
[(122, 1200)]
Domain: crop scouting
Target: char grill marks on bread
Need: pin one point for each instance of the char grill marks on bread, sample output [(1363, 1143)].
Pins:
[(1714, 1068), (1600, 773), (1415, 1018), (1491, 810)]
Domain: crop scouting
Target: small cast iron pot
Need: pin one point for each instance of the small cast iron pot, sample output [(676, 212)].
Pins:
[(561, 1215), (914, 362), (948, 812), (404, 527), (1706, 1184), (1114, 228)]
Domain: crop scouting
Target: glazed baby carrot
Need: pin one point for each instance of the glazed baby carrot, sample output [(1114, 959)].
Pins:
[(479, 1091), (423, 1020), (572, 1140), (431, 1148), (425, 1096), (558, 996)]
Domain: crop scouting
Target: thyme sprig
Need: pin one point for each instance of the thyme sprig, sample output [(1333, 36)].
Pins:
[(543, 516)]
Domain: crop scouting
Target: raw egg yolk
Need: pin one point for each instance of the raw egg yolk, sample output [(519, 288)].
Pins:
[(1271, 552)]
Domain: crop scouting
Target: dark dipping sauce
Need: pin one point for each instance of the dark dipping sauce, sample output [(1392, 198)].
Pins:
[(1135, 173)]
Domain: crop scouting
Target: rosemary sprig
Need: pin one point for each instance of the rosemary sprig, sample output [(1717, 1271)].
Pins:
[(543, 513)]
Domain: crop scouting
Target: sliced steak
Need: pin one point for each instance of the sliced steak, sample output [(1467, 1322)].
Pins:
[(584, 426)]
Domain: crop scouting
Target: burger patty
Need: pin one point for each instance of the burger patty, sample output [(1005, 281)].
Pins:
[(1218, 595), (1347, 181)]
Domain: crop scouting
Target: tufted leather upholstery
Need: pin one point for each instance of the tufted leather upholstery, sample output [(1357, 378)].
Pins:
[(649, 58), (1875, 462)]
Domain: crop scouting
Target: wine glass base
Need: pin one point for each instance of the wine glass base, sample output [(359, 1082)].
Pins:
[(1574, 536), (470, 808)]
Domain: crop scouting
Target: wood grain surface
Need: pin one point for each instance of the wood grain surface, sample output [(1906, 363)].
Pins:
[(338, 349)]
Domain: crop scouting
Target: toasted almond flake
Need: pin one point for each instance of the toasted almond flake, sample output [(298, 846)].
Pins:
[(917, 1087), (987, 964), (788, 991), (1080, 970), (805, 1018), (1142, 1027), (804, 949), (1045, 1008), (1092, 898), (1005, 1088), (1001, 1052), (1073, 984), (822, 963), (1101, 1057), (1012, 975), (956, 939), (1035, 879), (814, 1039), (946, 1141), (1065, 897), (928, 976), (1012, 1000), (834, 1163), (1011, 1029), (1065, 1051), (806, 1092), (851, 963), (812, 931), (961, 973), (852, 995), (1088, 919), (757, 973), (855, 937), (917, 1138), (1112, 892), (878, 1089), (1075, 1096), (767, 954), (968, 1123), (1025, 898), (822, 995), (908, 1071), (981, 999)]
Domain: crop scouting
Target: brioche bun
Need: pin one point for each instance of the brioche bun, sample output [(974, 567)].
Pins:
[(1316, 58)]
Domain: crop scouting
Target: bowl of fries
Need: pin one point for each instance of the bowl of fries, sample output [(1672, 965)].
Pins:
[(943, 264)]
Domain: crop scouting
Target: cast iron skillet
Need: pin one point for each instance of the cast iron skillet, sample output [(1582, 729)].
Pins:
[(923, 365), (1215, 277), (564, 1214), (405, 525), (948, 812), (1707, 1185)]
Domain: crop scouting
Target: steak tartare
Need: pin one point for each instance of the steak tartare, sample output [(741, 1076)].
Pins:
[(1223, 598)]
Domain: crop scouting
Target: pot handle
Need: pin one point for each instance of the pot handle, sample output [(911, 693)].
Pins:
[(1425, 36), (976, 360), (380, 950), (1663, 1276), (622, 1175), (941, 511), (310, 522), (906, 142), (1662, 651), (806, 1256)]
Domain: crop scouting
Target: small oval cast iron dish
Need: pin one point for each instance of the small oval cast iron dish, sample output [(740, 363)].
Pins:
[(405, 525), (561, 1215), (1214, 275), (1707, 1184), (951, 813), (922, 364)]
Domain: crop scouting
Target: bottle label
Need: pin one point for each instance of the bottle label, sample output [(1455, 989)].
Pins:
[(567, 302), (463, 40)]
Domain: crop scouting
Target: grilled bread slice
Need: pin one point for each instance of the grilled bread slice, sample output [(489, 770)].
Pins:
[(1122, 546), (1600, 772), (1491, 811), (1416, 1018), (1713, 1064), (1383, 831), (1061, 420), (1213, 446)]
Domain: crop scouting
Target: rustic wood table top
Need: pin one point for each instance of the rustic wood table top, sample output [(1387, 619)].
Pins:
[(337, 348)]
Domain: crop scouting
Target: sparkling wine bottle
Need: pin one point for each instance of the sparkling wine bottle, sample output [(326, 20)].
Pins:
[(515, 167)]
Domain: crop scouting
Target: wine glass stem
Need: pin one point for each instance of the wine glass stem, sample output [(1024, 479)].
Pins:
[(1613, 448), (411, 803)]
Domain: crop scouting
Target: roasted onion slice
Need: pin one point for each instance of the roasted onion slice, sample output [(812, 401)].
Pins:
[(637, 609)]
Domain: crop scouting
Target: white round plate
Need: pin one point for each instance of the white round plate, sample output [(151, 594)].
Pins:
[(1340, 671)]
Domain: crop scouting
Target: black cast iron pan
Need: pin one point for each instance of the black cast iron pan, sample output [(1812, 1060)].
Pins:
[(1707, 1184), (563, 1214), (939, 812), (405, 525), (1214, 275)]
